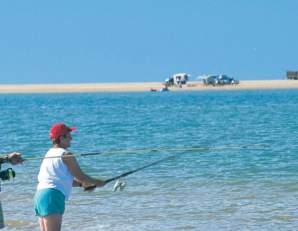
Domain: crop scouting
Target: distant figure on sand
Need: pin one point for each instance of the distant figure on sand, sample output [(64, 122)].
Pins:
[(59, 172)]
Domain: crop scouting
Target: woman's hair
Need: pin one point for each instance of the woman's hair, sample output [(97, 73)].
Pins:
[(57, 140)]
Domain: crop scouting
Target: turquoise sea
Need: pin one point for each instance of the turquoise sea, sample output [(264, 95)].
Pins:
[(228, 185)]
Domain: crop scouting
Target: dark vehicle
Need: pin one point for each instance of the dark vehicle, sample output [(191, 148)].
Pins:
[(218, 80)]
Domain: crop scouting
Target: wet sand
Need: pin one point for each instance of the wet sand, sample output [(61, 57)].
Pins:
[(143, 87)]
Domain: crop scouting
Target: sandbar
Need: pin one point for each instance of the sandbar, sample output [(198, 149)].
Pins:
[(143, 87)]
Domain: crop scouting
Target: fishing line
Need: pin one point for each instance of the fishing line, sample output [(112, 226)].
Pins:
[(161, 149)]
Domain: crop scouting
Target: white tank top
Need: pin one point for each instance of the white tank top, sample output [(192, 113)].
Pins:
[(54, 173)]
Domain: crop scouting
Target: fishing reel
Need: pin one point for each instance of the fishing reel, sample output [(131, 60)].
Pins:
[(119, 185), (7, 174)]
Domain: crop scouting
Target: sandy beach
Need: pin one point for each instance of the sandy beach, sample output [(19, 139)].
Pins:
[(142, 87)]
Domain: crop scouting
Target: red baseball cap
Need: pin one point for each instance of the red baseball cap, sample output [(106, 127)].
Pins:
[(58, 130)]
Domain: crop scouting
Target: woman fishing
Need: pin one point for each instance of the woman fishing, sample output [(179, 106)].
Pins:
[(56, 178)]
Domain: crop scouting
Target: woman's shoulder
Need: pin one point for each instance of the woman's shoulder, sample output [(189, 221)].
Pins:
[(56, 152)]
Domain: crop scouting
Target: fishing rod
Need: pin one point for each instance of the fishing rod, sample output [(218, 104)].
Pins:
[(131, 172), (162, 149), (72, 155), (121, 185), (139, 169)]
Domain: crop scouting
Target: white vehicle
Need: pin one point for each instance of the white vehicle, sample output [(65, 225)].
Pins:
[(177, 79)]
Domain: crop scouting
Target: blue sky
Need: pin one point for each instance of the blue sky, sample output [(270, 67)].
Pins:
[(145, 40)]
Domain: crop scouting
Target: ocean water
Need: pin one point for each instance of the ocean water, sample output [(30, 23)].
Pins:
[(227, 185)]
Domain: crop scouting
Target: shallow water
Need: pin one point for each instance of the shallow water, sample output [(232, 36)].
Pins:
[(216, 189)]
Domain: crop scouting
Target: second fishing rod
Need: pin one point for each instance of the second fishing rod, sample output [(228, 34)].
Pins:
[(159, 149)]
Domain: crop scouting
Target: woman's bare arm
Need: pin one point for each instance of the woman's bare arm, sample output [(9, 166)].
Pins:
[(79, 175)]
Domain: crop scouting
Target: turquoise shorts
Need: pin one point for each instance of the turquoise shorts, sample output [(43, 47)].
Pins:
[(49, 201)]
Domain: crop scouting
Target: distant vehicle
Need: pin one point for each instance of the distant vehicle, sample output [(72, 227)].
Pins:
[(292, 75), (178, 79), (218, 80)]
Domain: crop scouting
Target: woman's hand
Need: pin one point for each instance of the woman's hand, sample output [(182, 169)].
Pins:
[(89, 188)]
